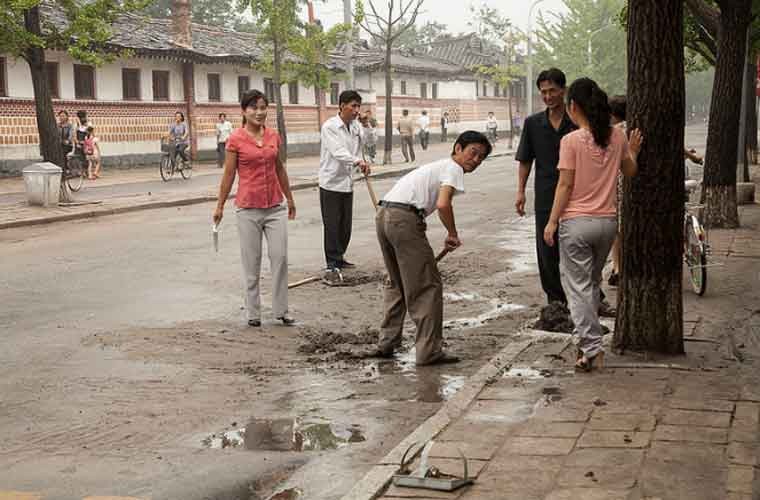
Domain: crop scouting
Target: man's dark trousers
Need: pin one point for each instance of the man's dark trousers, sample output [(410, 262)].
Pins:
[(548, 261), (337, 214)]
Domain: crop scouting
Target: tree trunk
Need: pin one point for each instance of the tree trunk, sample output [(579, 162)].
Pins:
[(277, 81), (50, 143), (388, 148), (750, 130), (719, 184), (650, 307)]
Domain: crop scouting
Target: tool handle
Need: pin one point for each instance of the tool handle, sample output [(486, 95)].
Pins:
[(304, 282), (371, 192), (442, 254)]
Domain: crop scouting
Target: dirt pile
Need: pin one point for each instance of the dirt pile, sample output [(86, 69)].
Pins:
[(354, 278), (555, 317), (326, 341)]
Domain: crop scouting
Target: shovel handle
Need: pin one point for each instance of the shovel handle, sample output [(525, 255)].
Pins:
[(442, 254), (304, 281), (371, 192)]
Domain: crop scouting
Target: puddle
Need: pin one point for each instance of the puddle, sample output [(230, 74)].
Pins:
[(285, 434), (461, 297), (429, 386), (289, 494), (451, 385), (497, 310), (527, 373), (520, 240)]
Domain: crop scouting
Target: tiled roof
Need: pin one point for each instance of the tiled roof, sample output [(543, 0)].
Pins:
[(466, 51), (370, 59)]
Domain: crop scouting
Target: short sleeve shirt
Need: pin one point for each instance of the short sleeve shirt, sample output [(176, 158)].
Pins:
[(177, 130), (596, 171), (421, 186), (539, 142), (258, 185)]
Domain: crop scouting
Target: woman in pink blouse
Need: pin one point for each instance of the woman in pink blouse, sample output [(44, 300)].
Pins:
[(585, 208), (253, 154)]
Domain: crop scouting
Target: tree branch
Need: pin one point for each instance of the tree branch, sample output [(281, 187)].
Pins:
[(707, 15), (709, 41)]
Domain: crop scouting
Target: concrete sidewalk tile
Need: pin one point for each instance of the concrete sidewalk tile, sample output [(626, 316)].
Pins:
[(743, 435), (587, 494), (512, 483), (691, 434), (738, 496), (503, 411), (702, 405), (525, 391), (688, 453), (614, 439), (742, 453), (402, 492), (706, 392), (604, 457), (503, 492), (563, 413), (611, 477), (111, 498), (451, 449), (616, 407), (740, 479), (621, 422), (539, 446), (466, 430), (509, 462), (696, 418), (537, 428)]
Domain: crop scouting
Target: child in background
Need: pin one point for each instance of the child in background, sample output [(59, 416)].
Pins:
[(92, 152), (369, 135)]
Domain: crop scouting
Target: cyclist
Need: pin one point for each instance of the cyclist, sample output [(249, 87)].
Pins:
[(178, 133)]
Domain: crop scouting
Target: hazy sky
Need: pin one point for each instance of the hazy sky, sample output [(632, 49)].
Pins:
[(453, 13)]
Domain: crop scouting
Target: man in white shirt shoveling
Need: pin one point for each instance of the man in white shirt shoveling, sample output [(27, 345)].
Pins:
[(415, 283)]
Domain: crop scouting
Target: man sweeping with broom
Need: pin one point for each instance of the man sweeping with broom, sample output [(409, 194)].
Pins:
[(415, 283)]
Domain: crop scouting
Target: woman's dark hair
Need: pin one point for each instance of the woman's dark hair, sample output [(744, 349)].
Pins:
[(592, 100), (251, 98), (181, 115), (349, 96), (82, 115), (63, 112), (552, 75), (222, 115), (617, 106), (472, 137)]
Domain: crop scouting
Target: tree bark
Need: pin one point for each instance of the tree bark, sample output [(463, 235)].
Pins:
[(750, 126), (650, 306), (277, 81), (719, 183), (388, 148), (51, 148)]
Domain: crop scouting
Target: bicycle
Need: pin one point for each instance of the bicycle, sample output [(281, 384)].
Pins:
[(169, 161), (696, 247), (74, 171)]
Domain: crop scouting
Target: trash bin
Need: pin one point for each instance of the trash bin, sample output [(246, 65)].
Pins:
[(43, 184)]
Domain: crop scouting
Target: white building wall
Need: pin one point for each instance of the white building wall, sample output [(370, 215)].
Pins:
[(19, 79)]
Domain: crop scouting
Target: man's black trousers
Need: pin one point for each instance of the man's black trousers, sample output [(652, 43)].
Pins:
[(337, 216)]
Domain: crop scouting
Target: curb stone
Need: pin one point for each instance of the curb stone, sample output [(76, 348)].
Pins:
[(373, 483)]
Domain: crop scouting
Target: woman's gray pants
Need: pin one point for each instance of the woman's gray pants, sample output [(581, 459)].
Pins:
[(253, 223), (584, 244)]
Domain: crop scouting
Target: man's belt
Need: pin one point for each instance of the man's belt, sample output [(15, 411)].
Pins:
[(402, 206)]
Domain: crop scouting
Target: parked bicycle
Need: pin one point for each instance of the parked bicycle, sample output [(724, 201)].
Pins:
[(74, 171), (172, 161), (696, 246)]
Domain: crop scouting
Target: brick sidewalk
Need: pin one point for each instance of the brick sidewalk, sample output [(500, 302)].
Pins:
[(641, 429)]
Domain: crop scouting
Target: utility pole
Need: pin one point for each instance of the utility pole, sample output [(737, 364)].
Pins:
[(347, 19)]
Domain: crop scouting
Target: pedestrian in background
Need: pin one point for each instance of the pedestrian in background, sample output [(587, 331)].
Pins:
[(223, 131), (264, 205), (491, 126), (92, 152), (369, 135), (406, 129), (617, 119), (424, 123), (340, 155), (66, 133), (415, 283), (445, 126), (585, 206), (80, 134)]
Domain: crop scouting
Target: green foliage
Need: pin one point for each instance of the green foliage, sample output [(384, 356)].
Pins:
[(222, 13), (504, 40), (85, 35), (563, 42), (418, 39)]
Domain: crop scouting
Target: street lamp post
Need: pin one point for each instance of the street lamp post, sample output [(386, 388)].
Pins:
[(530, 57)]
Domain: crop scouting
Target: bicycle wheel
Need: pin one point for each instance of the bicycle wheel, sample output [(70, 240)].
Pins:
[(166, 168), (186, 170), (696, 260), (75, 176)]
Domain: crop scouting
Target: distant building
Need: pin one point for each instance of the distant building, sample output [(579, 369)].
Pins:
[(200, 70)]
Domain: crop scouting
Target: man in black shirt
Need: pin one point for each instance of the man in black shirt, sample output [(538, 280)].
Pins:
[(539, 142)]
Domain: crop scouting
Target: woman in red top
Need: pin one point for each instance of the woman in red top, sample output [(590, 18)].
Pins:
[(253, 154)]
